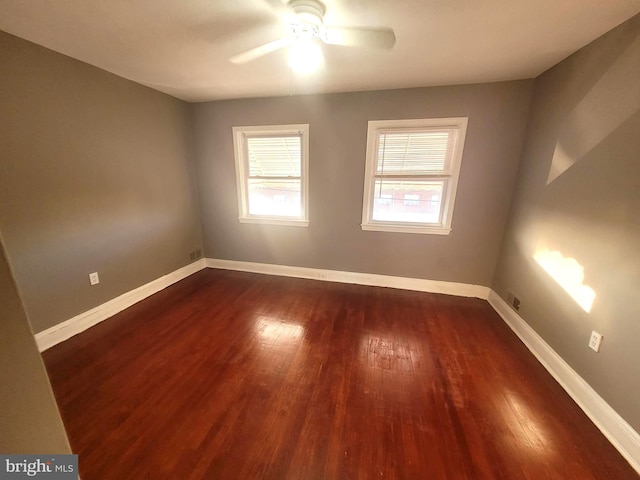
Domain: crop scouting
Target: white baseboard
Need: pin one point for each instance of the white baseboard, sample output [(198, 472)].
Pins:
[(67, 329), (404, 283), (611, 424)]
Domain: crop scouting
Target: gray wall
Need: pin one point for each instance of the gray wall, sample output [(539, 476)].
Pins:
[(96, 174), (28, 412), (338, 129), (578, 193)]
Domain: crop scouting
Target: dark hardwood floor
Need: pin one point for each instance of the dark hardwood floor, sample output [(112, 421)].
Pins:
[(230, 375)]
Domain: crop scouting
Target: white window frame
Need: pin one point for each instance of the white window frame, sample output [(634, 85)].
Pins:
[(451, 174), (242, 172)]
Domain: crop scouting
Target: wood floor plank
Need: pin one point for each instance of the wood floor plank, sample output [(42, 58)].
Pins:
[(230, 375)]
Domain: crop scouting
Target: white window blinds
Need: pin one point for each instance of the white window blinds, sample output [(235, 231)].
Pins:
[(274, 156), (415, 152)]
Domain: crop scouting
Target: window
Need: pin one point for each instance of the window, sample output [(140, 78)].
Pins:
[(412, 174), (272, 164)]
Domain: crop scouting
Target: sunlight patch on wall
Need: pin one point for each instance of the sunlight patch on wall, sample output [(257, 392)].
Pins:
[(560, 163), (567, 273)]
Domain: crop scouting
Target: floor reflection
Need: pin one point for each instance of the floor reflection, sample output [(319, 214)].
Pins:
[(278, 332), (388, 354), (524, 428)]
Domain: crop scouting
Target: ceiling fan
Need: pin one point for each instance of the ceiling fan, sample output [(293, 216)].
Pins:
[(306, 23)]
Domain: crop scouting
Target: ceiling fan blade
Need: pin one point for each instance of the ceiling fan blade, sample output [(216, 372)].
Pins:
[(360, 37), (260, 51)]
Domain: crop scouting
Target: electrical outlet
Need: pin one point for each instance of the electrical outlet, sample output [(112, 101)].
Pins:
[(595, 341), (93, 278)]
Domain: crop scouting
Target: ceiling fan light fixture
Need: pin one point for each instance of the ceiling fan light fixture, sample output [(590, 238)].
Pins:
[(305, 19), (305, 56)]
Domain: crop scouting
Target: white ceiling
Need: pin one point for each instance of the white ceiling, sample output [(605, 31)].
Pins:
[(182, 47)]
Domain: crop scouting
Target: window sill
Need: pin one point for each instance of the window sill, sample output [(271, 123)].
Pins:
[(275, 221), (405, 229)]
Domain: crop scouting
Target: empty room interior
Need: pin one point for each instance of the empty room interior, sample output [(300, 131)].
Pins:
[(337, 240)]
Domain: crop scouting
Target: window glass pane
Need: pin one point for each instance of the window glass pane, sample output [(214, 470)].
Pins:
[(411, 199), (408, 201), (274, 156), (414, 152), (279, 198), (385, 199)]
